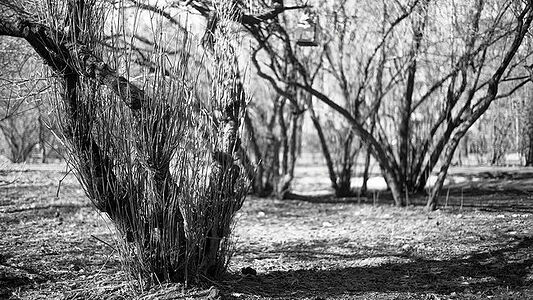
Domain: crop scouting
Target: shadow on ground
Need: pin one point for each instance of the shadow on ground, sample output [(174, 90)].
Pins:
[(508, 267), (495, 190), (489, 198)]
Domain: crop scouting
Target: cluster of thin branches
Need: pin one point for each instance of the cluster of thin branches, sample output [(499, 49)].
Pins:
[(167, 173)]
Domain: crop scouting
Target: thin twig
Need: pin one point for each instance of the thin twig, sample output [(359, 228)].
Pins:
[(61, 181)]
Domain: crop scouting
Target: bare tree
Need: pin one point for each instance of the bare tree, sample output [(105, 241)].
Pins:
[(20, 97), (21, 135), (274, 127), (444, 85), (159, 161), (429, 123)]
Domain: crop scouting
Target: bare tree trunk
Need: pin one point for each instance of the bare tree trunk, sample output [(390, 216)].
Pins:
[(294, 144), (448, 156), (529, 157), (345, 176), (368, 156), (288, 152), (396, 190), (323, 145), (284, 138), (366, 171), (404, 132), (42, 139), (257, 176), (344, 186), (529, 128)]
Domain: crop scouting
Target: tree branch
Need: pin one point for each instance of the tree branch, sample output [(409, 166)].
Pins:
[(65, 57)]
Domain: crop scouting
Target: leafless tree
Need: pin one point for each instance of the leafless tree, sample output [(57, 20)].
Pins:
[(22, 88), (446, 61), (274, 126), (462, 76), (151, 152)]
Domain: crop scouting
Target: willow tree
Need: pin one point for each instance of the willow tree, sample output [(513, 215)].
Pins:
[(158, 159)]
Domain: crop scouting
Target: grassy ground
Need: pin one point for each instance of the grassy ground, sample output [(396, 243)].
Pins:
[(54, 246)]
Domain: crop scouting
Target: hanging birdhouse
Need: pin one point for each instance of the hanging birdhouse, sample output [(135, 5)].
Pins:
[(307, 30)]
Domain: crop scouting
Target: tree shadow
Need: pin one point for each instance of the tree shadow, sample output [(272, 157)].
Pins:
[(494, 190), (508, 267), (12, 277), (489, 198), (326, 198)]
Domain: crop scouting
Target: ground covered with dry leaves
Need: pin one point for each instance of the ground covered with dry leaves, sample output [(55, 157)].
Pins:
[(479, 245)]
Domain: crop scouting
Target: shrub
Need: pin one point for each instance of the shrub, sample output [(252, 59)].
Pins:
[(162, 164)]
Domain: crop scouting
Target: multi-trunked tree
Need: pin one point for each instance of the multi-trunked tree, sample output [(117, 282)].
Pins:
[(158, 159)]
